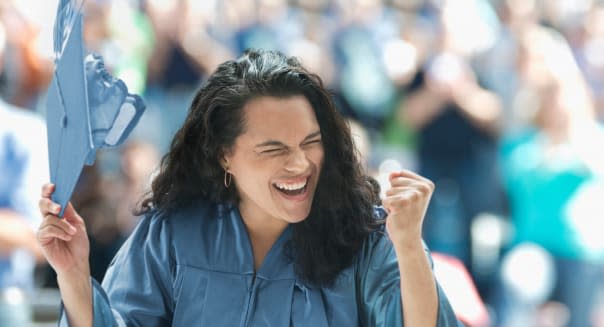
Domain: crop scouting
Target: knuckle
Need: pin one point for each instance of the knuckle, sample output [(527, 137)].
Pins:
[(414, 196), (45, 204), (391, 191), (46, 190), (402, 200), (56, 230), (430, 184), (48, 225), (425, 188)]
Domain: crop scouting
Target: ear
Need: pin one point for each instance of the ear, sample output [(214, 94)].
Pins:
[(224, 161)]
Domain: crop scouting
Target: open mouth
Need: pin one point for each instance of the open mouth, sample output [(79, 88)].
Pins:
[(292, 189)]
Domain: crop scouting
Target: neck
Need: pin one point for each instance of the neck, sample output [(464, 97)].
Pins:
[(263, 231), (260, 224)]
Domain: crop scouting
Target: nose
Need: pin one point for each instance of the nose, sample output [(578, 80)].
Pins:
[(296, 162)]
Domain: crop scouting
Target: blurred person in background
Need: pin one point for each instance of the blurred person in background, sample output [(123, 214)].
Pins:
[(588, 48), (498, 66), (270, 26), (456, 122), (312, 44), (23, 164), (29, 70), (554, 176), (184, 53), (122, 34), (138, 162), (361, 77)]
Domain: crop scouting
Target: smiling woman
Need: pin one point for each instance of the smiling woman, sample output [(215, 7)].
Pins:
[(276, 164), (261, 214)]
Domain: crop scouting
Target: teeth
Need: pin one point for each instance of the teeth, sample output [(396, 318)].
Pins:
[(291, 186)]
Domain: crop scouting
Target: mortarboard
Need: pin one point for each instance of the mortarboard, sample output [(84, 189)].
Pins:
[(86, 108)]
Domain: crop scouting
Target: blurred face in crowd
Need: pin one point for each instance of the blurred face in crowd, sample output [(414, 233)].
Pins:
[(277, 160)]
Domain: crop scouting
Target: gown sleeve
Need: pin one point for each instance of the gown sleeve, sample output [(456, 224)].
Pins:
[(138, 285), (378, 287)]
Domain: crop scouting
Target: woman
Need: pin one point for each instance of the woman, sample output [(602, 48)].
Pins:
[(554, 175), (260, 215)]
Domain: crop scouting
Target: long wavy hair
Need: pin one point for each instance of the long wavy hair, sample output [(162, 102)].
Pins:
[(342, 213)]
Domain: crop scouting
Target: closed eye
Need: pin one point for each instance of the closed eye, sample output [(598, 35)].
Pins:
[(272, 151), (313, 142)]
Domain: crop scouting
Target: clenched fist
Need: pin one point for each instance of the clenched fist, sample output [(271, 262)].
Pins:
[(406, 202)]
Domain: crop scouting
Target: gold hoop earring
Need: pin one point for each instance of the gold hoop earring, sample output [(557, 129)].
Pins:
[(227, 179)]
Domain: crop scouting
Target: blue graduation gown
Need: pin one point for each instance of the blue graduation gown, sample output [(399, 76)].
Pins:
[(195, 268)]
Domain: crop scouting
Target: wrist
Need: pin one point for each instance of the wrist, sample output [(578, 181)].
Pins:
[(408, 243), (74, 277), (407, 236)]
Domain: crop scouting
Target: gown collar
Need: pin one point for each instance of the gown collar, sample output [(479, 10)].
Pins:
[(277, 264)]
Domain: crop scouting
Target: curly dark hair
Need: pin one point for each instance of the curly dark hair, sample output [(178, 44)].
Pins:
[(342, 213)]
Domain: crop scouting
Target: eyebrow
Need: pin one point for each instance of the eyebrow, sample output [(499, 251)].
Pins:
[(279, 143)]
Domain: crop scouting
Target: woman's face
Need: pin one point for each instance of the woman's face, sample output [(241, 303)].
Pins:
[(276, 162)]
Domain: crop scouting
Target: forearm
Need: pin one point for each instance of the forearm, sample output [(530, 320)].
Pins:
[(418, 287), (420, 108), (76, 292), (481, 107), (196, 43)]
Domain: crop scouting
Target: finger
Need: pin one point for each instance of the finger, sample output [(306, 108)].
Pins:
[(421, 188), (47, 206), (406, 177), (63, 224), (402, 181), (51, 231), (52, 220), (408, 174), (405, 182), (72, 216), (47, 190), (397, 202), (405, 196)]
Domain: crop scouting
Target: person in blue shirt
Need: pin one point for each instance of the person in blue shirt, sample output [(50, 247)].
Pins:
[(23, 167), (260, 215)]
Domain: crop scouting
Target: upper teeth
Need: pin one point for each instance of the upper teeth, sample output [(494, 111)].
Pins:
[(291, 186)]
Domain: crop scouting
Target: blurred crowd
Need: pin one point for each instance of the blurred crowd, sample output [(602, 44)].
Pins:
[(499, 102)]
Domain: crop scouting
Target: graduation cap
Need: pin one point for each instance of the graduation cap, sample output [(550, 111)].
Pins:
[(86, 108)]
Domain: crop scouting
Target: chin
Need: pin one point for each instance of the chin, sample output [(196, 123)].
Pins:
[(296, 217)]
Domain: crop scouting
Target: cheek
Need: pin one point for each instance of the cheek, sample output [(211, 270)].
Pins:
[(250, 178), (254, 179), (316, 156)]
